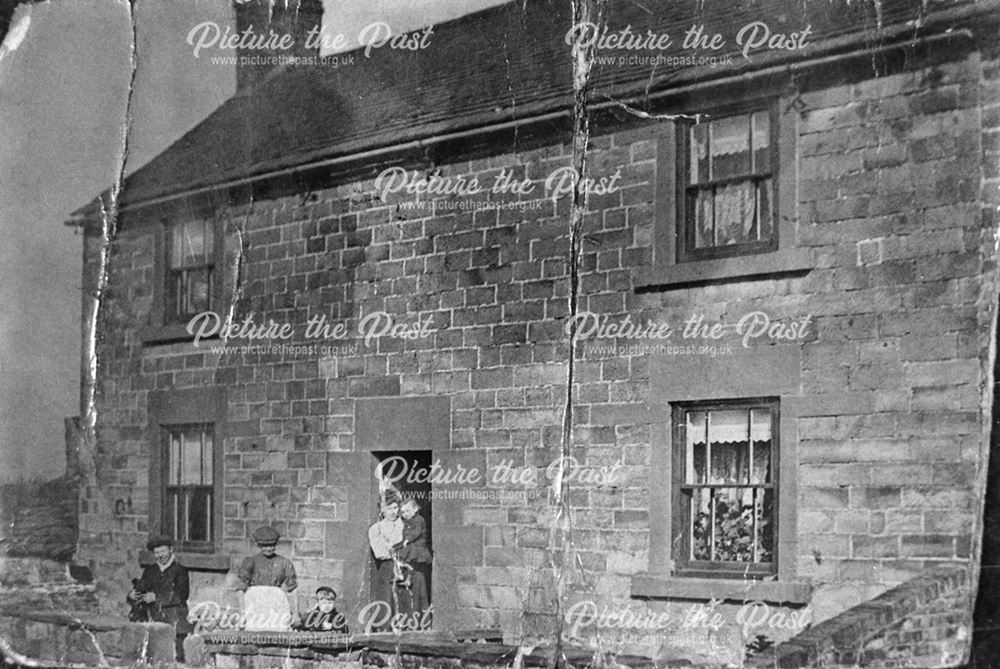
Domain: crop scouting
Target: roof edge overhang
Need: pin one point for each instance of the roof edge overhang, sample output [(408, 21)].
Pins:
[(974, 25)]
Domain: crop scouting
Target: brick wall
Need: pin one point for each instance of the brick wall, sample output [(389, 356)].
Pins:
[(925, 622), (889, 408)]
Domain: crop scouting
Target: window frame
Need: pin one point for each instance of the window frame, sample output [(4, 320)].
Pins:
[(787, 259), (170, 273), (162, 329), (681, 507), (685, 250), (171, 409), (764, 371), (166, 432)]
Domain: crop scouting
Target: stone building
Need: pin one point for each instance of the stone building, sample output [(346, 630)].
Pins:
[(782, 320)]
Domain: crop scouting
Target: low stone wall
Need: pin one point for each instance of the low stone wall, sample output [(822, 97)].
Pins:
[(67, 639), (48, 616), (60, 638), (926, 622), (291, 650)]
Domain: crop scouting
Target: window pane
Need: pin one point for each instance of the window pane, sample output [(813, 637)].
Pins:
[(765, 525), (734, 524), (175, 292), (173, 460), (701, 525), (176, 246), (765, 221), (730, 147), (198, 513), (760, 433), (731, 525), (172, 514), (699, 162), (695, 435), (182, 518), (186, 244), (735, 206), (704, 235), (209, 243), (197, 290), (190, 244), (761, 140), (206, 458), (191, 458), (727, 433)]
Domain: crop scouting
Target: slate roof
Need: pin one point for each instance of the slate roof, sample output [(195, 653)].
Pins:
[(504, 63)]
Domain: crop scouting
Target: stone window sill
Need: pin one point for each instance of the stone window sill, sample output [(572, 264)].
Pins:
[(778, 264), (193, 561), (657, 586)]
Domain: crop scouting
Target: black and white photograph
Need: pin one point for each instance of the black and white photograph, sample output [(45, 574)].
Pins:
[(575, 334)]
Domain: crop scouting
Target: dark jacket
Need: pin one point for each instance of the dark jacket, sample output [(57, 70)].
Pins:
[(259, 569), (171, 588), (414, 548)]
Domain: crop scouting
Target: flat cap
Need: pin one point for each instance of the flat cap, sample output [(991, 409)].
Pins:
[(159, 540), (266, 535)]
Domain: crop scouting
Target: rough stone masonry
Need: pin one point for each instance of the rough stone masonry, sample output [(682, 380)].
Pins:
[(886, 195)]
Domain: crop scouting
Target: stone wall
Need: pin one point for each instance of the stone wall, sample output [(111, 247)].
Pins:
[(893, 184), (925, 622), (40, 519)]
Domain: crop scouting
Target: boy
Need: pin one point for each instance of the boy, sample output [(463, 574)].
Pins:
[(414, 550), (323, 617)]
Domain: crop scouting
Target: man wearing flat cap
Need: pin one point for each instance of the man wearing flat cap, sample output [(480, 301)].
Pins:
[(267, 567), (161, 593)]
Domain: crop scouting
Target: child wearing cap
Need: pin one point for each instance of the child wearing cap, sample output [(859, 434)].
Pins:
[(323, 617)]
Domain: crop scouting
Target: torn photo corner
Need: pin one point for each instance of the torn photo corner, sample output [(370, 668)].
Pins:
[(538, 333)]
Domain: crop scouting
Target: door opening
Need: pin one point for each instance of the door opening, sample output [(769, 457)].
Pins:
[(405, 477)]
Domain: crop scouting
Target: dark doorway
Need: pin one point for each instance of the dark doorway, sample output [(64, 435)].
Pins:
[(409, 473)]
